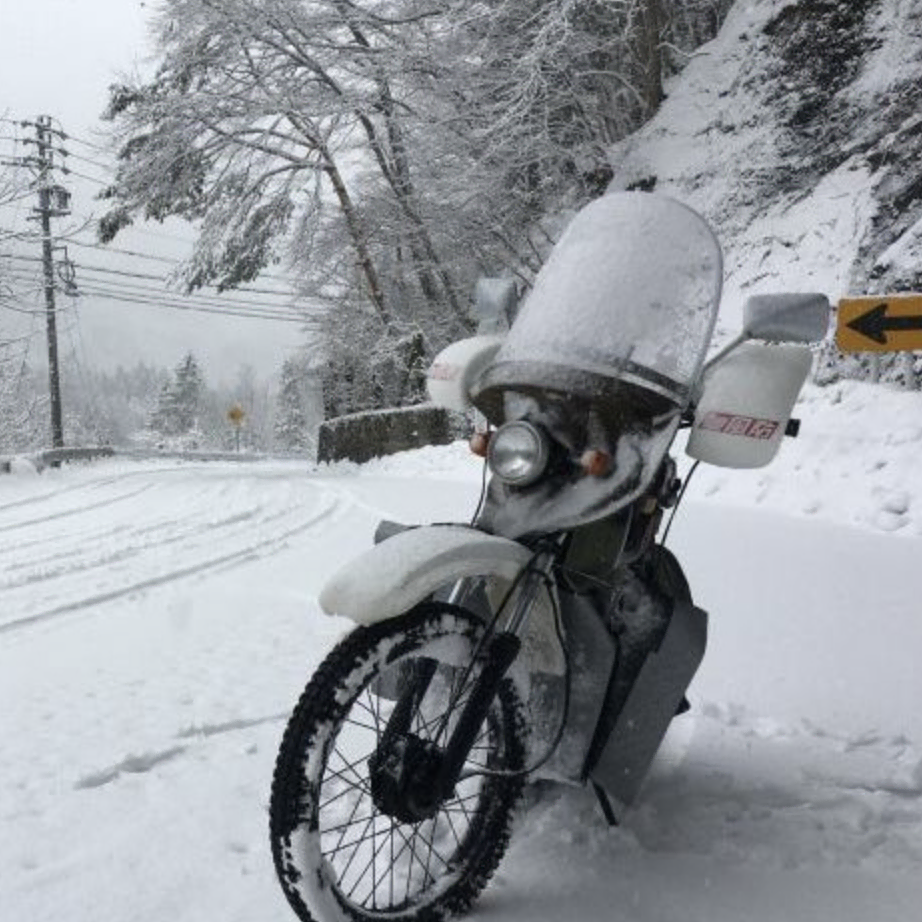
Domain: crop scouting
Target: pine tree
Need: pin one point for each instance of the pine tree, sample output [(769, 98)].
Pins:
[(162, 418), (187, 393), (291, 421), (179, 402)]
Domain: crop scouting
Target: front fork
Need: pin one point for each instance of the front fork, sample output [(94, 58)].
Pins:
[(440, 773)]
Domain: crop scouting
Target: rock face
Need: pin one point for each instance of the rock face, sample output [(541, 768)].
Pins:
[(798, 133)]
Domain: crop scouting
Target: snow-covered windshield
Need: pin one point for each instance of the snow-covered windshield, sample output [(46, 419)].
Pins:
[(630, 292)]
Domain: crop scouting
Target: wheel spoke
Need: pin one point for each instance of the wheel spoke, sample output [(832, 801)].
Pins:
[(352, 722), (374, 866), (347, 766), (451, 825), (419, 834), (429, 854), (355, 852), (342, 835), (373, 862), (349, 790), (330, 830), (393, 863), (375, 709)]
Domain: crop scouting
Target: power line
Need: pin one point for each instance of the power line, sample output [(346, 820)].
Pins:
[(175, 263), (157, 278), (145, 275), (89, 144), (135, 288), (38, 285), (214, 300), (121, 296), (157, 297), (153, 298), (16, 198), (96, 163), (102, 183), (111, 249)]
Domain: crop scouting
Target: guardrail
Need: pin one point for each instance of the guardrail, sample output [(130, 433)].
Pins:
[(55, 457)]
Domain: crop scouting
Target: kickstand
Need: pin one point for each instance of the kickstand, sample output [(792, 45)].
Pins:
[(605, 803)]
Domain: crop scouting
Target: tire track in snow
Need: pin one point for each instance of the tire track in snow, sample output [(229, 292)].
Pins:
[(141, 763), (55, 493), (175, 528), (77, 510), (249, 552), (126, 552)]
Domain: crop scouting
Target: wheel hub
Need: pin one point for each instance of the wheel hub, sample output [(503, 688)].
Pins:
[(405, 778)]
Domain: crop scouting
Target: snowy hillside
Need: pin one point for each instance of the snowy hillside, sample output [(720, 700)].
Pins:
[(796, 132)]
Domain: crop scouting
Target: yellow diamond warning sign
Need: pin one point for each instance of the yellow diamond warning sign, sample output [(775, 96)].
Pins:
[(885, 323)]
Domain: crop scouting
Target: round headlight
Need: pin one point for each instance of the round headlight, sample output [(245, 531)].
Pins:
[(518, 453)]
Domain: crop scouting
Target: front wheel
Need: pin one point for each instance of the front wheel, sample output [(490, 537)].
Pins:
[(354, 832)]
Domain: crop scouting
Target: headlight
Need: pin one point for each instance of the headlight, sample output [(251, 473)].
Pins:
[(518, 453)]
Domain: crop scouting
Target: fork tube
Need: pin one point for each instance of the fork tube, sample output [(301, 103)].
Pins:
[(528, 592), (458, 592), (423, 669), (500, 653)]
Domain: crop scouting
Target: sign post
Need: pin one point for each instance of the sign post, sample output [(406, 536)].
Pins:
[(236, 415)]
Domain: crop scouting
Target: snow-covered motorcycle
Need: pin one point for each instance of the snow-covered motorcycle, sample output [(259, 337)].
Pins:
[(555, 636)]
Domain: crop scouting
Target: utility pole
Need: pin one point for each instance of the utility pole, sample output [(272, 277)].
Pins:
[(53, 200)]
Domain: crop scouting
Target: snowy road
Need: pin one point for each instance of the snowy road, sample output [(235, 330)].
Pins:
[(119, 535), (158, 621)]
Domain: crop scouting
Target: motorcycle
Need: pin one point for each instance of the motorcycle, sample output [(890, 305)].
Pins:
[(555, 636)]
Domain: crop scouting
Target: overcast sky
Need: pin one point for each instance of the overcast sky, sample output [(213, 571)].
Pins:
[(57, 58)]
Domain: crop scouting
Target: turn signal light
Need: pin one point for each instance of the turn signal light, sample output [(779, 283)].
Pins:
[(479, 443), (596, 463)]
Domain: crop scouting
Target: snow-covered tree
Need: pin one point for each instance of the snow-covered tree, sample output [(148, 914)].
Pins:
[(291, 423), (23, 407), (248, 123), (390, 150), (187, 392), (179, 402)]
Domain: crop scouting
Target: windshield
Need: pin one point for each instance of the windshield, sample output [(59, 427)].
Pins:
[(629, 294)]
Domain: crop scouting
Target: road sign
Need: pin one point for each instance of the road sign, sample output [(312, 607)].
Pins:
[(886, 323), (236, 414)]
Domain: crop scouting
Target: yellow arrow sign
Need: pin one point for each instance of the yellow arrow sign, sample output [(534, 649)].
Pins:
[(885, 323)]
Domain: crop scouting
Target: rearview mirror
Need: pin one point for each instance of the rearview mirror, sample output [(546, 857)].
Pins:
[(495, 303), (788, 318)]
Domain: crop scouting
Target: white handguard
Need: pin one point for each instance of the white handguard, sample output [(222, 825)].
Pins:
[(456, 367), (746, 403)]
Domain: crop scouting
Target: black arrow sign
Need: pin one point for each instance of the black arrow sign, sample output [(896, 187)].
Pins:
[(875, 324)]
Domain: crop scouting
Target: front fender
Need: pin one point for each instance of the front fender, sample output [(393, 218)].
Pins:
[(392, 577)]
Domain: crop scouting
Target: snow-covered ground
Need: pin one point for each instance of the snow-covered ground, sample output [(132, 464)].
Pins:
[(158, 621)]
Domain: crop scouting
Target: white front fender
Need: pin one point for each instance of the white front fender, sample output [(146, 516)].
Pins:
[(390, 578), (397, 574)]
